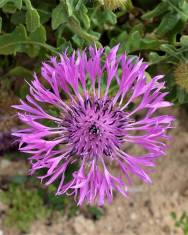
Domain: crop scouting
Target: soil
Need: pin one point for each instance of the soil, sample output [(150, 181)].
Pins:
[(148, 208)]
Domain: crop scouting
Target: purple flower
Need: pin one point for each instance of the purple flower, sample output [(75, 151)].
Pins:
[(91, 128)]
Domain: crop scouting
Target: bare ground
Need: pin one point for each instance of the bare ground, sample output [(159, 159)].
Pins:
[(147, 210)]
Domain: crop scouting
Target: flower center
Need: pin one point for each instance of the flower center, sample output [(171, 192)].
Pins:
[(95, 128)]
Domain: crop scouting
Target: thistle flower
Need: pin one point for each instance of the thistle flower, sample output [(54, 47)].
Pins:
[(93, 129), (181, 76)]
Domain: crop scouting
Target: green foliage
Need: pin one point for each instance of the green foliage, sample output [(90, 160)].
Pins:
[(181, 222), (30, 18), (37, 29), (25, 206), (27, 202)]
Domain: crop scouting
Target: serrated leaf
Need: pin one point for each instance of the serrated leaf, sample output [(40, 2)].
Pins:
[(167, 24), (32, 20), (59, 16), (18, 41)]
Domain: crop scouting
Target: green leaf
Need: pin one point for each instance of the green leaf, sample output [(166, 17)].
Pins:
[(70, 7), (167, 24), (18, 41), (83, 17), (18, 18), (136, 42), (17, 3), (45, 15), (168, 49), (11, 43), (172, 35), (59, 16), (154, 57), (39, 35), (74, 26), (20, 71), (158, 10), (9, 8), (3, 2), (32, 20), (79, 4), (110, 17)]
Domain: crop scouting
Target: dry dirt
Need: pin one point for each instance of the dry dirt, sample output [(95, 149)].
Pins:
[(147, 210)]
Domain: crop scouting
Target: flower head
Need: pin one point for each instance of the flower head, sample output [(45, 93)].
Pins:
[(93, 129)]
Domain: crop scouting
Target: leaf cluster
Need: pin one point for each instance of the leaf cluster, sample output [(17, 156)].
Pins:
[(32, 30)]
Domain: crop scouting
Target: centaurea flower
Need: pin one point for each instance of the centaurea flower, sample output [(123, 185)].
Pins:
[(92, 128)]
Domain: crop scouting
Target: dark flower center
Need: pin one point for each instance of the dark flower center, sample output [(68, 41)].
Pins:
[(95, 128)]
